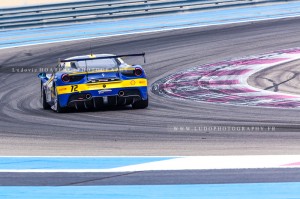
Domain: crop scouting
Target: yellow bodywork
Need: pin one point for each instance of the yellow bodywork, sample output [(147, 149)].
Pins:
[(140, 82)]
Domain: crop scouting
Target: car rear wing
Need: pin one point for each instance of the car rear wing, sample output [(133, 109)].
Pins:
[(106, 57)]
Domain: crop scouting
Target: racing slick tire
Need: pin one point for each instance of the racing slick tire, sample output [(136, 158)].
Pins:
[(46, 106), (57, 107), (141, 104)]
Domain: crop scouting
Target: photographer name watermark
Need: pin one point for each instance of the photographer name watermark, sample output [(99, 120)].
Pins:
[(222, 128), (53, 69), (30, 70)]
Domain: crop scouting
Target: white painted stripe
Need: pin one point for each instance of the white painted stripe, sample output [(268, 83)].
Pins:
[(220, 78), (215, 162), (191, 163), (226, 87)]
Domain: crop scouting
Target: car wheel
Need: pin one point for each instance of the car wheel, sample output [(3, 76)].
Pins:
[(140, 104), (57, 106), (46, 106)]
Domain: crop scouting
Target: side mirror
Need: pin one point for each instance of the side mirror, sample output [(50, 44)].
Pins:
[(42, 76)]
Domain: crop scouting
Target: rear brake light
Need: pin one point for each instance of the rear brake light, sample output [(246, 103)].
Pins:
[(65, 78), (138, 72)]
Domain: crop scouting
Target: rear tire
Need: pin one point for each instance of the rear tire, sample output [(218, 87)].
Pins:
[(141, 104), (46, 106), (57, 106)]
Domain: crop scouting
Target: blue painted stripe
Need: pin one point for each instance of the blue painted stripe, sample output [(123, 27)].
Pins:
[(206, 191), (7, 163), (147, 24)]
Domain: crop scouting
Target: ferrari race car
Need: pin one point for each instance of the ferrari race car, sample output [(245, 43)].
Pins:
[(93, 81)]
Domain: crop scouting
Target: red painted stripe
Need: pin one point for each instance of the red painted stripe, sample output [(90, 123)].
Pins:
[(247, 62), (292, 164), (228, 72)]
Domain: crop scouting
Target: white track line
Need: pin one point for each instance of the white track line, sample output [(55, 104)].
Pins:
[(190, 163)]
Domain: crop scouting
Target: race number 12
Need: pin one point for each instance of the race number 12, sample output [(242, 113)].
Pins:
[(74, 88)]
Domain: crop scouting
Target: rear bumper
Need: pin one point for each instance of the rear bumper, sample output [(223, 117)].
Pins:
[(96, 98)]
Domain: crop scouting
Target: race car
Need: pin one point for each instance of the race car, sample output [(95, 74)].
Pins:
[(94, 81)]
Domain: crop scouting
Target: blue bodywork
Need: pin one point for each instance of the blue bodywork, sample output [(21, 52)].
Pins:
[(66, 88)]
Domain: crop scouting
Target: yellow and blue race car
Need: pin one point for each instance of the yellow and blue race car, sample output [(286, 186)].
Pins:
[(93, 81)]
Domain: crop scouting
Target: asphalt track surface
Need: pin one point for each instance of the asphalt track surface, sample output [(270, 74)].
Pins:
[(223, 176), (27, 129)]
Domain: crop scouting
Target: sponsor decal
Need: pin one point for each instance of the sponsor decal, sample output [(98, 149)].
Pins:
[(104, 91), (132, 82)]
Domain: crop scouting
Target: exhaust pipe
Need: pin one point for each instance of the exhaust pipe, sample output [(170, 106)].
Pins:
[(88, 96), (121, 93)]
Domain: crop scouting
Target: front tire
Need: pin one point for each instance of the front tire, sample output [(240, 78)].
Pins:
[(141, 104)]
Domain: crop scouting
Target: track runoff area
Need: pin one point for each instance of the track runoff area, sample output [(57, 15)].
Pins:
[(150, 177)]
